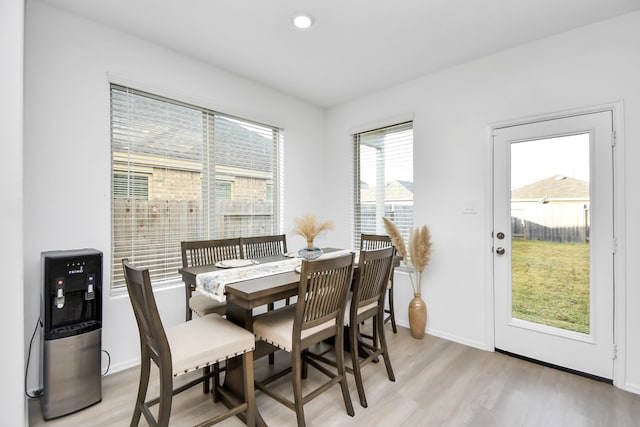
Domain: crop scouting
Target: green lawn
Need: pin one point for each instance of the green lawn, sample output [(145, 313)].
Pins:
[(550, 283)]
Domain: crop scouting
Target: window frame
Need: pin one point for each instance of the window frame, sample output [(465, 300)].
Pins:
[(218, 130), (381, 201)]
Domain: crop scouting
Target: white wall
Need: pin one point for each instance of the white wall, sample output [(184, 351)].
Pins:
[(452, 111), (67, 147), (12, 404)]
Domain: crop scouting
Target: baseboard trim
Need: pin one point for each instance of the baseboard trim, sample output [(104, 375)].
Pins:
[(123, 366), (469, 343), (632, 388)]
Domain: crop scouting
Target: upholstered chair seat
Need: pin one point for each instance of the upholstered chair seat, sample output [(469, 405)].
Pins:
[(275, 327), (203, 305), (205, 341)]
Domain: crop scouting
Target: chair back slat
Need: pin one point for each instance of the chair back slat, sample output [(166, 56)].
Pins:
[(205, 252), (264, 246), (152, 336), (374, 270), (374, 241), (323, 291)]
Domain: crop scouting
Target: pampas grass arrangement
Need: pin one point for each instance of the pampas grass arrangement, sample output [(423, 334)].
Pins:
[(308, 227), (419, 252)]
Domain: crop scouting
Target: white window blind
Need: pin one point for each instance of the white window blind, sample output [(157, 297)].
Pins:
[(383, 180), (181, 172)]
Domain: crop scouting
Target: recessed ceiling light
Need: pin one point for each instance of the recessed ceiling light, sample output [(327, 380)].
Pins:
[(302, 21)]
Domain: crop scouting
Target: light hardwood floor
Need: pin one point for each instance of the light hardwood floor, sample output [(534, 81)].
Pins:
[(438, 383)]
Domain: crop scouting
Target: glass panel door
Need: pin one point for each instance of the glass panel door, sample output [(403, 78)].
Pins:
[(550, 217), (552, 240)]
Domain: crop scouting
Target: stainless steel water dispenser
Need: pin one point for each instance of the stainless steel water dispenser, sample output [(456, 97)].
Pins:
[(71, 312)]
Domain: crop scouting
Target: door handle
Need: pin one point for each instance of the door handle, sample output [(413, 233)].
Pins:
[(500, 251)]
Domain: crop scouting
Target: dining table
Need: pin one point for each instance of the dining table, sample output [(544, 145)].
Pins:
[(242, 297)]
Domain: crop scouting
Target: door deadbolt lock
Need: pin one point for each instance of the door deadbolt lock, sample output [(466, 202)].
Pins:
[(500, 251), (500, 235)]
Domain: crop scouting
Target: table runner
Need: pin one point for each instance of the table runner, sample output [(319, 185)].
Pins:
[(212, 283)]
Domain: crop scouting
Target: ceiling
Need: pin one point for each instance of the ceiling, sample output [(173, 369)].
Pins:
[(356, 47)]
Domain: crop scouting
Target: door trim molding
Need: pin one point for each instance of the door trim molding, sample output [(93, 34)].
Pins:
[(610, 106), (619, 219)]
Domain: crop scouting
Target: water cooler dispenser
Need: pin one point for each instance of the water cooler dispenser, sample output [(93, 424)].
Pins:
[(71, 312)]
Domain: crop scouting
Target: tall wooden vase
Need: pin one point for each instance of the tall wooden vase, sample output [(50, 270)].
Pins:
[(417, 316)]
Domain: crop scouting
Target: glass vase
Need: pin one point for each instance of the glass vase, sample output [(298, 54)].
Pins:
[(310, 252)]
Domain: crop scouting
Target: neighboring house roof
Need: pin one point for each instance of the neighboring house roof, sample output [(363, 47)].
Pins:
[(237, 145), (406, 184), (241, 146), (555, 187), (394, 191)]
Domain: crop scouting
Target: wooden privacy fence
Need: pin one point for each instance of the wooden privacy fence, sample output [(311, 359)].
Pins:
[(149, 232), (567, 223)]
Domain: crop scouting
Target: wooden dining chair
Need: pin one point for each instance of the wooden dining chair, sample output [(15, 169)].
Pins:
[(181, 349), (379, 241), (261, 247), (317, 316), (264, 246), (367, 302), (205, 252)]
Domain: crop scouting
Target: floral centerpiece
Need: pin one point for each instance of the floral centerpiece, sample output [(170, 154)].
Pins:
[(416, 259), (308, 227)]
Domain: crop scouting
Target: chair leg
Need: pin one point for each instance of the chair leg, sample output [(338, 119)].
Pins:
[(296, 373), (385, 350), (305, 365), (166, 396), (355, 361), (145, 368), (206, 372), (341, 371), (392, 311), (272, 359), (247, 361), (189, 290), (374, 331), (216, 382)]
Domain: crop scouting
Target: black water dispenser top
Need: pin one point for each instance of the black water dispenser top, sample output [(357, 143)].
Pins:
[(72, 297)]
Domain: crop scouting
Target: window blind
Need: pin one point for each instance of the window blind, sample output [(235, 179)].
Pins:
[(383, 180), (181, 172)]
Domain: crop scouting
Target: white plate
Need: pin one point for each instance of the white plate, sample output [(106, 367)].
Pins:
[(233, 263), (292, 255)]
